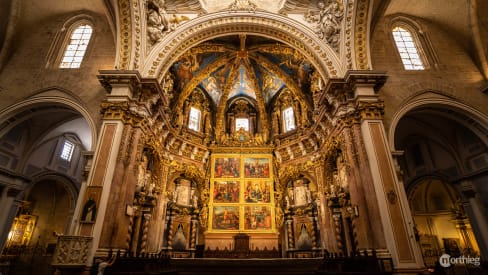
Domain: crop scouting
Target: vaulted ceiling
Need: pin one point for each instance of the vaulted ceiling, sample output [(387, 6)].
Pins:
[(250, 66)]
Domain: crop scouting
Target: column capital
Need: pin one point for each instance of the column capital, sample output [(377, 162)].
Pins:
[(115, 80), (467, 188), (361, 79)]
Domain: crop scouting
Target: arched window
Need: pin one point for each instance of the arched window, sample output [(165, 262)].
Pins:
[(289, 119), (408, 49), (194, 119), (67, 151), (76, 47)]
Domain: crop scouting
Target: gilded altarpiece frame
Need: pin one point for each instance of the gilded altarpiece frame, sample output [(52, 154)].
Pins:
[(242, 194)]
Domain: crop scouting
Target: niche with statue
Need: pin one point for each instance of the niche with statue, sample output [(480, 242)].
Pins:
[(301, 226), (182, 218)]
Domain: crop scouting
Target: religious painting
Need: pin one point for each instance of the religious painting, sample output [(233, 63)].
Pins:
[(225, 217), (182, 192), (257, 217), (226, 191), (256, 168), (227, 167), (301, 193), (258, 191), (212, 87), (90, 205)]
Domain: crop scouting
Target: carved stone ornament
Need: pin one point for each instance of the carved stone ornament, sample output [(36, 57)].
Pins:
[(72, 251), (242, 5), (159, 22), (328, 21)]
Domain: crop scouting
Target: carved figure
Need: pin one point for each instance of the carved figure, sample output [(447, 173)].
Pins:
[(157, 20), (328, 21)]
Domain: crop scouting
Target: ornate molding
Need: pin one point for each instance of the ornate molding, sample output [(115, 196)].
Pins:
[(276, 26), (189, 171), (125, 44), (361, 35), (242, 5)]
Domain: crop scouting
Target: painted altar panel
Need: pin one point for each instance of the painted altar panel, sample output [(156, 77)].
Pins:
[(257, 191), (226, 191), (242, 197), (226, 167), (258, 217), (225, 217), (256, 167)]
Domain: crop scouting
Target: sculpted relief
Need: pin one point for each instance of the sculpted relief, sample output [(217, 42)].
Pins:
[(327, 21), (159, 22)]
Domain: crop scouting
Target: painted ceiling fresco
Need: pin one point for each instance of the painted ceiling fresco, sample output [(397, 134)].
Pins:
[(243, 66)]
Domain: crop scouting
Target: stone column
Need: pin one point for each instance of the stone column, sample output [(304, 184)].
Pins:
[(113, 173), (477, 217), (391, 197)]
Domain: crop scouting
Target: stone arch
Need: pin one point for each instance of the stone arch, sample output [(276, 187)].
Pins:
[(259, 23), (52, 96), (468, 116), (67, 183)]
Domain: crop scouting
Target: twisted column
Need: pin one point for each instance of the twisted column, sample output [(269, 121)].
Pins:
[(291, 240), (193, 234), (145, 229), (338, 232), (130, 229)]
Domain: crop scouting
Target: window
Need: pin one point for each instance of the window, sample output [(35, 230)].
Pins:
[(242, 123), (194, 119), (407, 49), (289, 119), (67, 151), (76, 48)]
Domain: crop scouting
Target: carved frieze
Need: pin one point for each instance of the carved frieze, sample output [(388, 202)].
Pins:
[(72, 251)]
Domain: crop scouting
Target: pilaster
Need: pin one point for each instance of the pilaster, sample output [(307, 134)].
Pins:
[(392, 201), (111, 170)]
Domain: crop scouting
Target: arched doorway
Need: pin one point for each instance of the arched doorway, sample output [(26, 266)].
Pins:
[(444, 156), (441, 223), (43, 141)]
